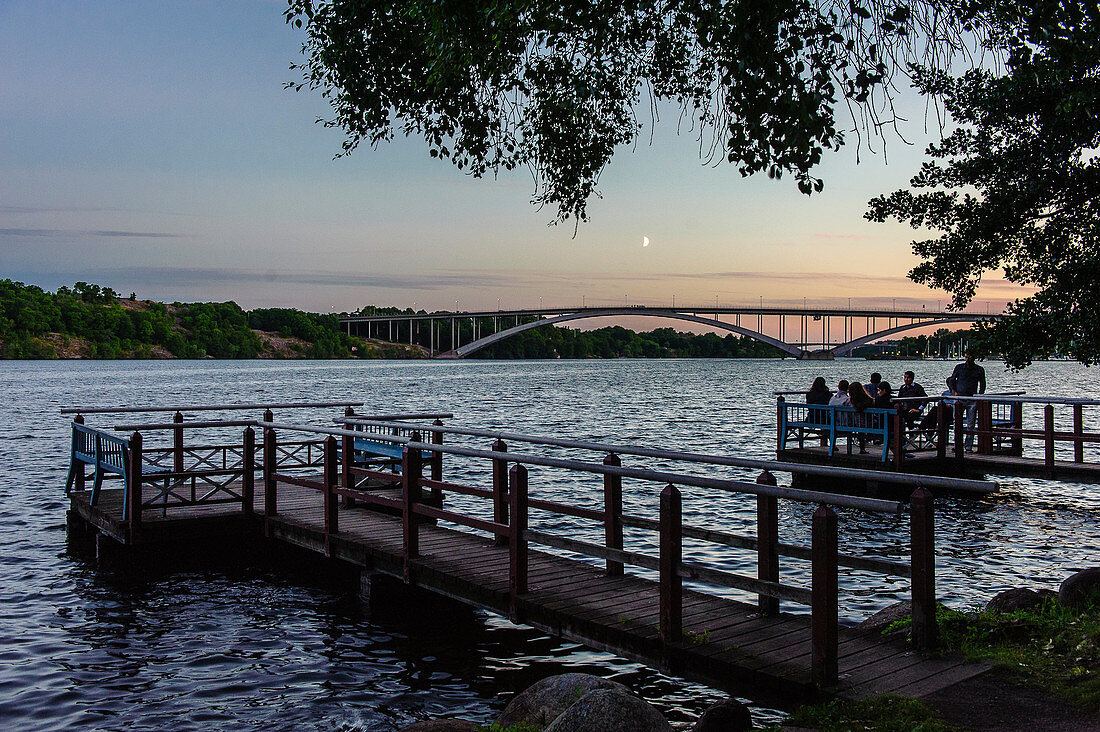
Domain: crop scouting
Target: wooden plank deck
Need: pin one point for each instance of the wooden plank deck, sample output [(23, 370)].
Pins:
[(726, 644), (973, 465)]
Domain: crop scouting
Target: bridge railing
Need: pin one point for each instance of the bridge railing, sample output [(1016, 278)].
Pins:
[(511, 503)]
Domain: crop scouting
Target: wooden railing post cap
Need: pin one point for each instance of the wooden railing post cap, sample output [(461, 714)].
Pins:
[(920, 494), (766, 478), (499, 446), (670, 491), (518, 469), (437, 423), (414, 436), (824, 511), (135, 439), (177, 417), (349, 411), (612, 459)]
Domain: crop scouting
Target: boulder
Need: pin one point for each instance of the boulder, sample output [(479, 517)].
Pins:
[(442, 725), (541, 703), (887, 616), (1080, 589), (609, 710), (725, 716), (1018, 598)]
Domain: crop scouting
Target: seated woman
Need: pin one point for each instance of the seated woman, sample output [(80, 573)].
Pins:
[(819, 394), (860, 400)]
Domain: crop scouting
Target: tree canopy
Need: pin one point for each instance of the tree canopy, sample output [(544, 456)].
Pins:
[(1016, 185), (558, 85)]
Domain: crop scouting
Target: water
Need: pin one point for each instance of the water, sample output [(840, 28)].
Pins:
[(191, 645)]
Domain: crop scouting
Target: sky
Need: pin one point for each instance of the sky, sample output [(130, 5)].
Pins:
[(152, 148)]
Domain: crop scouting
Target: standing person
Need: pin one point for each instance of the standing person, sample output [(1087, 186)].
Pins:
[(871, 387), (910, 388), (968, 379), (840, 399)]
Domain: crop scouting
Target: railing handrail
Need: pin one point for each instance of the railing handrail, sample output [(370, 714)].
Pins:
[(185, 425), (205, 407), (773, 466), (868, 504)]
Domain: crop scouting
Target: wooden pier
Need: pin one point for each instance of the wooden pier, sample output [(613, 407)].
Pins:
[(325, 496), (826, 435)]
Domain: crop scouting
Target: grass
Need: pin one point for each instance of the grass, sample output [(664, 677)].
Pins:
[(1049, 647), (886, 713)]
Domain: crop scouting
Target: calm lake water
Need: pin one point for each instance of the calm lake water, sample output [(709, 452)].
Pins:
[(194, 645)]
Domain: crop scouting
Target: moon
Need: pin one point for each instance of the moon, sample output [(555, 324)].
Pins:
[(645, 241)]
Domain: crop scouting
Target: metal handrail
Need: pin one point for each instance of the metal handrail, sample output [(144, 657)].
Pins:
[(928, 481)]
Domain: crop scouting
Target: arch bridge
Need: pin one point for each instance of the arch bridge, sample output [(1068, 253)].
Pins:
[(804, 333)]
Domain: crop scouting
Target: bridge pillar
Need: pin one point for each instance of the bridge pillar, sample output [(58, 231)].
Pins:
[(816, 356)]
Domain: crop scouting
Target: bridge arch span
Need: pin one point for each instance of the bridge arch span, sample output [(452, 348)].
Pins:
[(844, 348), (474, 346)]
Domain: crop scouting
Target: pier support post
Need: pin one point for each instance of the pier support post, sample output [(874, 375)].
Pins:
[(517, 541), (177, 443), (332, 499), (767, 542), (271, 507), (941, 430), (437, 463), (824, 614), (500, 490), (347, 458), (780, 409), (672, 551), (133, 492), (985, 428), (248, 476), (959, 413), (80, 481), (613, 513), (1078, 430), (1048, 439), (411, 470), (922, 561), (897, 435)]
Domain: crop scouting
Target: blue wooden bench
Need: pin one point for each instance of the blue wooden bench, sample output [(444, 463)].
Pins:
[(107, 454), (801, 420), (383, 452)]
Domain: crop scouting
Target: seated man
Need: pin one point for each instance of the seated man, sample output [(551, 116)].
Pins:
[(909, 388)]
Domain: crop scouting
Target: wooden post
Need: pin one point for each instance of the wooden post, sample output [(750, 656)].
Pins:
[(133, 492), (80, 481), (613, 513), (779, 409), (941, 430), (437, 458), (985, 428), (271, 507), (1048, 437), (347, 457), (411, 471), (1018, 423), (332, 500), (500, 490), (1078, 430), (824, 619), (177, 443), (767, 542), (897, 435), (922, 561), (248, 477), (517, 539), (960, 413), (672, 550), (269, 416)]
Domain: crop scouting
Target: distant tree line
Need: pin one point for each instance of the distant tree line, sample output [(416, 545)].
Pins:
[(35, 323), (618, 342)]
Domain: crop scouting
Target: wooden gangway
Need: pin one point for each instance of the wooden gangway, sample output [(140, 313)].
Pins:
[(325, 496)]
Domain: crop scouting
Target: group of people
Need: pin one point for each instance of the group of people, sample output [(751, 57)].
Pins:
[(967, 379)]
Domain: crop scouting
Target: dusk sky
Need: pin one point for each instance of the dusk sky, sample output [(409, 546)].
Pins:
[(152, 147)]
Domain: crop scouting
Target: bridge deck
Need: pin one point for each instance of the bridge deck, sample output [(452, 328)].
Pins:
[(726, 643)]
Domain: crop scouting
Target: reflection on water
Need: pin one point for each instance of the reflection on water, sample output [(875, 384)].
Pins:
[(260, 642)]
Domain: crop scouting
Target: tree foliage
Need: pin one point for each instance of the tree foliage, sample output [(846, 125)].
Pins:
[(558, 85), (1016, 186)]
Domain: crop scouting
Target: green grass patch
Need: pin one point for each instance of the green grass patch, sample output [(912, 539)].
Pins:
[(886, 713), (1049, 647)]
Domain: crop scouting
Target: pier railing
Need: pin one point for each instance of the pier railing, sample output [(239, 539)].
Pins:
[(993, 423), (509, 502)]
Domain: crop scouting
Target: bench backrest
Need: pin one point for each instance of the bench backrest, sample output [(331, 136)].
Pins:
[(104, 451)]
